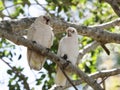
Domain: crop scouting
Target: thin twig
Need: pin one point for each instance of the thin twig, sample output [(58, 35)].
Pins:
[(7, 63), (5, 6), (107, 25), (68, 78), (42, 7), (22, 3), (19, 74), (103, 80)]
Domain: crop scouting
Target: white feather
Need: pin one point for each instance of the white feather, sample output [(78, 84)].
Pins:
[(68, 45), (42, 34)]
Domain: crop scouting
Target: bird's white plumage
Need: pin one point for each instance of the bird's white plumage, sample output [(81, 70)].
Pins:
[(41, 33), (69, 46)]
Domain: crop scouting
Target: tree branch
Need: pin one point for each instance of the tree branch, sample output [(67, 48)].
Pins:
[(44, 51), (59, 26), (107, 25), (62, 69), (43, 7), (96, 75), (87, 49), (26, 85)]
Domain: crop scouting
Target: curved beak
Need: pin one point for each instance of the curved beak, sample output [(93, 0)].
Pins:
[(69, 33)]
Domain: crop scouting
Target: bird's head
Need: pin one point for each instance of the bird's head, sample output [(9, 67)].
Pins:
[(71, 31), (44, 19)]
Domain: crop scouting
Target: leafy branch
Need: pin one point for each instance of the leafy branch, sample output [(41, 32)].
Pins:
[(17, 72)]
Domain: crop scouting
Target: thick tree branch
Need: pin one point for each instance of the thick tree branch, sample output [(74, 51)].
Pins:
[(96, 75), (59, 26), (17, 26), (44, 51)]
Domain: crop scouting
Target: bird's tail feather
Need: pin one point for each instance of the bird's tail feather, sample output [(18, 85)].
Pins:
[(60, 78), (36, 61)]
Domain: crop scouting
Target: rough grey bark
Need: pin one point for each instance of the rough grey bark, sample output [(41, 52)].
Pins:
[(59, 26)]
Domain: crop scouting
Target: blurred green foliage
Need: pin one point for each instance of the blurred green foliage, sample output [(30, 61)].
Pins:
[(86, 12)]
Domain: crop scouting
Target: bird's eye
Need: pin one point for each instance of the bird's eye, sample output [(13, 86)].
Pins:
[(47, 19), (73, 31)]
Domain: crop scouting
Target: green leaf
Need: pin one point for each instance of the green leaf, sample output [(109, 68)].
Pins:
[(65, 8), (59, 8), (20, 56), (39, 81), (26, 2), (55, 1), (18, 2), (6, 53), (1, 6), (9, 72), (80, 14)]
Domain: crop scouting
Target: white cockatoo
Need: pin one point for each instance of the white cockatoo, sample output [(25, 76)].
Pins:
[(69, 50), (41, 33)]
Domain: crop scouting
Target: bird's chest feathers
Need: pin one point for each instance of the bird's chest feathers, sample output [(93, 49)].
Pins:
[(70, 42), (71, 49), (41, 33), (71, 46)]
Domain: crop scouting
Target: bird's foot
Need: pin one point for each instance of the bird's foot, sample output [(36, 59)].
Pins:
[(47, 49), (65, 57), (34, 42), (66, 64)]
